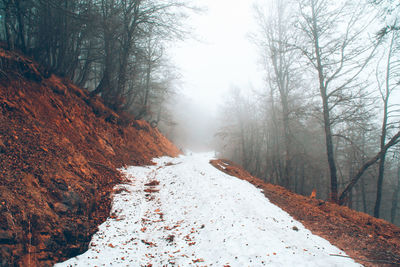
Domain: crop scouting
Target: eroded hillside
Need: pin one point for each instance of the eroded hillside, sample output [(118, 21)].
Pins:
[(59, 154)]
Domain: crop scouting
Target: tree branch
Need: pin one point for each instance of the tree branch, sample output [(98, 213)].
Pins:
[(393, 141)]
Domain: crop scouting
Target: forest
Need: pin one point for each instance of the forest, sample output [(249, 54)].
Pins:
[(97, 125), (114, 48), (327, 117)]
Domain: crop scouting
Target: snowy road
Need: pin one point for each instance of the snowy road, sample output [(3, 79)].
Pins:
[(185, 212)]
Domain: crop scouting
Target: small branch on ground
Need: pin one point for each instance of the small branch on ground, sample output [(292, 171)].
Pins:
[(361, 259)]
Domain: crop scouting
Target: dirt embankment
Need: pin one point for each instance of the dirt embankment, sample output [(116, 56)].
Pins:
[(59, 151), (370, 241)]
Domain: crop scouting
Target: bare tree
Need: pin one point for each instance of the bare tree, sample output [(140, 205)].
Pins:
[(332, 47), (386, 89), (279, 61)]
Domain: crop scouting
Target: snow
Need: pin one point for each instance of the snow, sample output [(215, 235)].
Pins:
[(201, 217)]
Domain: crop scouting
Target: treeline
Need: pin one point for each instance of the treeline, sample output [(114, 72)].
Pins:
[(115, 48), (327, 118)]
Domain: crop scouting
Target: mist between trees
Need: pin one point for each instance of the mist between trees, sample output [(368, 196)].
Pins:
[(327, 118), (115, 48)]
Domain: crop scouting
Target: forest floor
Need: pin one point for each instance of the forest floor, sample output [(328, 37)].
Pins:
[(370, 241), (183, 211)]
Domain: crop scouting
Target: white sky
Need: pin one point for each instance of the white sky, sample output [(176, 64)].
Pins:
[(225, 57)]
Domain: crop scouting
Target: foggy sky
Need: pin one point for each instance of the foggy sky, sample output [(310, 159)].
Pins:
[(223, 57), (219, 57)]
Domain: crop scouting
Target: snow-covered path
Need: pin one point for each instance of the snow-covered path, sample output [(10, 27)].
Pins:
[(185, 212)]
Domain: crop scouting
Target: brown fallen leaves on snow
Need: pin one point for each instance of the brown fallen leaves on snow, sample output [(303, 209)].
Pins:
[(153, 183), (148, 243), (151, 190)]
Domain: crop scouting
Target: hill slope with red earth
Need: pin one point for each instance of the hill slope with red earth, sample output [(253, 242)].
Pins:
[(59, 154)]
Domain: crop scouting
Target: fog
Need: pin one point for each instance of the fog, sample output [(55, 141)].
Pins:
[(324, 120), (219, 56), (194, 126), (327, 107)]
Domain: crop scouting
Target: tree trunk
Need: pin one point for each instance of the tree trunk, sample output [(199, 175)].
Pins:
[(287, 167), (243, 146), (379, 185), (357, 198), (395, 198), (325, 108), (328, 136), (21, 27), (302, 180), (123, 68), (383, 135), (105, 82), (7, 27), (364, 198), (85, 71), (147, 89), (130, 24), (350, 202)]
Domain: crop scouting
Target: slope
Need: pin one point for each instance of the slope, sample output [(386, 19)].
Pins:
[(59, 150), (185, 212), (371, 241)]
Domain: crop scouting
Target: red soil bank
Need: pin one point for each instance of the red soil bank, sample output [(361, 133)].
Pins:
[(59, 154)]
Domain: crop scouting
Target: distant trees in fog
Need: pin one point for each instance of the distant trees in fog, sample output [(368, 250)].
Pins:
[(327, 117), (113, 47)]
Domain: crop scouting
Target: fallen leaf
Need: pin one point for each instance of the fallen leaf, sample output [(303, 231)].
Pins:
[(151, 244)]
